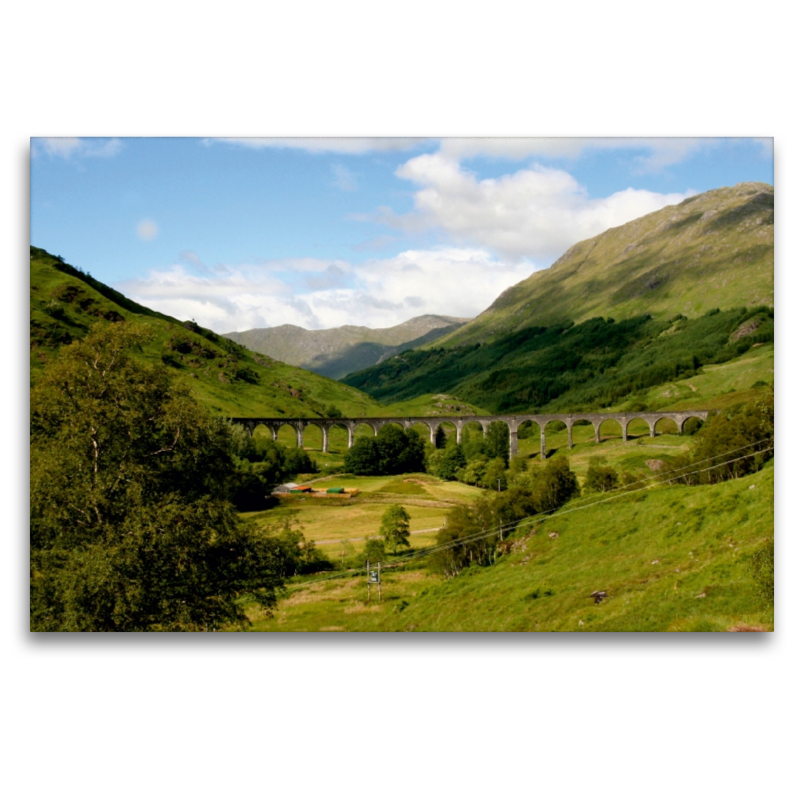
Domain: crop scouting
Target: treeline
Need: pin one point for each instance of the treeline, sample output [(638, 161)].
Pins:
[(590, 365), (471, 534), (392, 452)]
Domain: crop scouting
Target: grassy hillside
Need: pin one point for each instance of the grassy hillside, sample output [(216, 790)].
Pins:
[(224, 376), (673, 558), (335, 352), (679, 290), (594, 365), (714, 250)]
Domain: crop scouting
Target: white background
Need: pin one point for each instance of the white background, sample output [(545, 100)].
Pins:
[(644, 716)]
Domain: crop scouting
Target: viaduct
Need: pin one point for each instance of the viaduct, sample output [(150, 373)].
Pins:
[(513, 422)]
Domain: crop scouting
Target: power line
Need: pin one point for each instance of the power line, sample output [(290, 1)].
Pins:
[(499, 530)]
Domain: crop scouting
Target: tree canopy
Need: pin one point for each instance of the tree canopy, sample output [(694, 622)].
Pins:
[(131, 528), (391, 452), (395, 527)]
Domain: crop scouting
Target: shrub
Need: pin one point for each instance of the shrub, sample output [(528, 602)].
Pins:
[(600, 477)]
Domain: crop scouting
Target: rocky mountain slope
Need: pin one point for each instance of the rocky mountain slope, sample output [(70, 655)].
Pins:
[(335, 352)]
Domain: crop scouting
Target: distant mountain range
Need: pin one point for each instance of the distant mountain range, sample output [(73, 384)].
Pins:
[(336, 352)]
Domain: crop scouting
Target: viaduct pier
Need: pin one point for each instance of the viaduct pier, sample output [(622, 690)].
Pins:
[(513, 421)]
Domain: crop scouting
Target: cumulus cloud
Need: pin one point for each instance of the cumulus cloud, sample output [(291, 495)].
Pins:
[(379, 293), (147, 230), (68, 147), (537, 212)]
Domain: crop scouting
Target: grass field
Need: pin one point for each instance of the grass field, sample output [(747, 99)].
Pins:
[(672, 558), (331, 521)]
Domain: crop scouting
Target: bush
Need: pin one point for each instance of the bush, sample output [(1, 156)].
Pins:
[(600, 477)]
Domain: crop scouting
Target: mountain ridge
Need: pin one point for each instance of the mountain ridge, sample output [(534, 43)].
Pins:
[(335, 352)]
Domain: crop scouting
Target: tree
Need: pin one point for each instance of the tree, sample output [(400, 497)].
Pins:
[(374, 550), (333, 412), (554, 484), (391, 452), (446, 463), (497, 441), (600, 477), (131, 528), (495, 475), (394, 527)]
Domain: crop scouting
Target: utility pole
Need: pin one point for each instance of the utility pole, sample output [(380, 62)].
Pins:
[(374, 576)]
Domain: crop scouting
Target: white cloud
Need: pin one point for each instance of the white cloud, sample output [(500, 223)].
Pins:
[(379, 293), (536, 212), (67, 147), (339, 144), (147, 230)]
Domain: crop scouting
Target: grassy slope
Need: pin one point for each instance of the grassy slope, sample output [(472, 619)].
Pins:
[(64, 303), (672, 558), (714, 250)]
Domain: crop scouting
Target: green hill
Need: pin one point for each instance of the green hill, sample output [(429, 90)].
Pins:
[(660, 282), (335, 352), (674, 558), (223, 375), (714, 250)]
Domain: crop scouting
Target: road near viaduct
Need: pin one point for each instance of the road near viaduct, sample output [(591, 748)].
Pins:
[(514, 421)]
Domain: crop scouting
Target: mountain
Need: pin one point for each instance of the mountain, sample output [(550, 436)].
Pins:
[(335, 352), (646, 303), (714, 250), (224, 376)]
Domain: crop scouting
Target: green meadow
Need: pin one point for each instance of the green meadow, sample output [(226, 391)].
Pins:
[(670, 558)]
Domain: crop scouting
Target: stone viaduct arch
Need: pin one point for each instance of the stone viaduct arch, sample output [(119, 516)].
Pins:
[(512, 420)]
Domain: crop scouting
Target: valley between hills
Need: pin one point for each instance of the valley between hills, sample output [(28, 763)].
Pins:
[(670, 312)]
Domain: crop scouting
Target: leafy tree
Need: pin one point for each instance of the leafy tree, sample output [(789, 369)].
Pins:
[(391, 452), (495, 475), (600, 477), (395, 527), (473, 442), (363, 457), (131, 528), (332, 412), (374, 550), (446, 463), (497, 441), (733, 443), (554, 484), (474, 470), (471, 533)]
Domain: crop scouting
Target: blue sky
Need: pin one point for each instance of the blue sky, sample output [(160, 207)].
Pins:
[(243, 233)]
